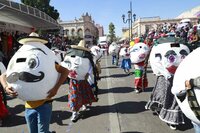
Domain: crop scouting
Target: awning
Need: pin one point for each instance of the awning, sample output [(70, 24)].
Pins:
[(23, 15)]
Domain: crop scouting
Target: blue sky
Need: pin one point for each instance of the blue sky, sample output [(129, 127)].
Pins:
[(104, 12)]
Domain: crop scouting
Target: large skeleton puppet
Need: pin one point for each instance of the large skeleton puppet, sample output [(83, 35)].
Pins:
[(166, 56), (188, 101), (31, 71), (79, 61)]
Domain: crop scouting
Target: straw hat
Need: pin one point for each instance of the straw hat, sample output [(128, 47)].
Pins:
[(33, 37), (80, 46)]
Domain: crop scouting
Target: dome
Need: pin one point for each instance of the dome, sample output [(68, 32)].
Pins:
[(194, 12)]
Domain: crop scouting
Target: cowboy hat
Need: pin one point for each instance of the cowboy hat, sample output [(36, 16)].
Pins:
[(33, 37)]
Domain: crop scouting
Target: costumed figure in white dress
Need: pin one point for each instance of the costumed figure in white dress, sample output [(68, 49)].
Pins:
[(79, 61), (138, 53), (97, 54), (113, 50), (165, 57), (188, 98), (126, 61)]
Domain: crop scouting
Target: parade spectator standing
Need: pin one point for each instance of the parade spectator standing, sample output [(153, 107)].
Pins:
[(10, 45), (194, 40)]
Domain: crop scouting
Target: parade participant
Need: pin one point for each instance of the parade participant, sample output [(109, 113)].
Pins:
[(97, 54), (59, 53), (138, 54), (34, 75), (80, 63), (113, 50), (3, 110), (164, 59), (186, 87), (126, 61)]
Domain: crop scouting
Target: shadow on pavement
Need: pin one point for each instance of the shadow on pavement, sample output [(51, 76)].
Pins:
[(115, 76), (62, 98), (123, 108), (13, 119), (131, 132), (116, 90), (16, 120), (186, 126), (148, 89), (110, 67), (59, 116)]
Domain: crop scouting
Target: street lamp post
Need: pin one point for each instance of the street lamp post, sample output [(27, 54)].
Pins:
[(130, 19)]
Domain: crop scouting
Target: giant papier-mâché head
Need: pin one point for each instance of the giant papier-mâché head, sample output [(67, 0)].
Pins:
[(166, 57), (139, 52), (31, 71), (190, 101)]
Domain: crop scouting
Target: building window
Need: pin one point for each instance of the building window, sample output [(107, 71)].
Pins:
[(73, 32)]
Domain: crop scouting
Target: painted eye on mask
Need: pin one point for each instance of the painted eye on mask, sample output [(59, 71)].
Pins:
[(68, 64), (171, 58), (33, 63), (134, 50)]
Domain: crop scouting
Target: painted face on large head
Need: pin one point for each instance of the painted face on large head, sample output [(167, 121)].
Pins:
[(124, 53), (77, 62), (189, 103), (166, 57), (97, 52), (138, 52), (113, 48), (31, 71), (59, 53)]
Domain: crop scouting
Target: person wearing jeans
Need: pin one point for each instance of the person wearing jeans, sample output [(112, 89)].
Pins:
[(39, 117)]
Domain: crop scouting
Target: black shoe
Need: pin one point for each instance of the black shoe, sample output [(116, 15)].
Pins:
[(173, 127)]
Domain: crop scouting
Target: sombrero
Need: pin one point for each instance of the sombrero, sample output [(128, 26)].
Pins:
[(80, 46), (33, 37)]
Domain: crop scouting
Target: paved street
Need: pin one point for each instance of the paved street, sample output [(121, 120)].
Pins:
[(119, 109)]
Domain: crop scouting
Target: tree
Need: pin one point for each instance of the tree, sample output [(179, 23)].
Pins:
[(112, 32), (43, 5)]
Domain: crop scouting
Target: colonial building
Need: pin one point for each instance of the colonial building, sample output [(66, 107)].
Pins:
[(143, 25), (83, 28), (100, 29)]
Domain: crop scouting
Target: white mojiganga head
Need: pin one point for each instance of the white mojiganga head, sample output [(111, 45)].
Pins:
[(124, 53), (2, 68), (113, 48), (188, 68), (77, 62), (97, 53), (31, 71), (59, 53), (166, 57), (139, 52)]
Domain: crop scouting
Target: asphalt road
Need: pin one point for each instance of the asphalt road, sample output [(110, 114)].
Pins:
[(119, 109)]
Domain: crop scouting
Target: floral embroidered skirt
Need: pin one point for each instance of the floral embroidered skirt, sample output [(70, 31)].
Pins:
[(80, 93)]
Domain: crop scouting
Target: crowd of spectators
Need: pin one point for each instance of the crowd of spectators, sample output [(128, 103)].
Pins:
[(188, 33)]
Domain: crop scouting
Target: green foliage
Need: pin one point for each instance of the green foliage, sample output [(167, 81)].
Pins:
[(43, 5), (112, 32)]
